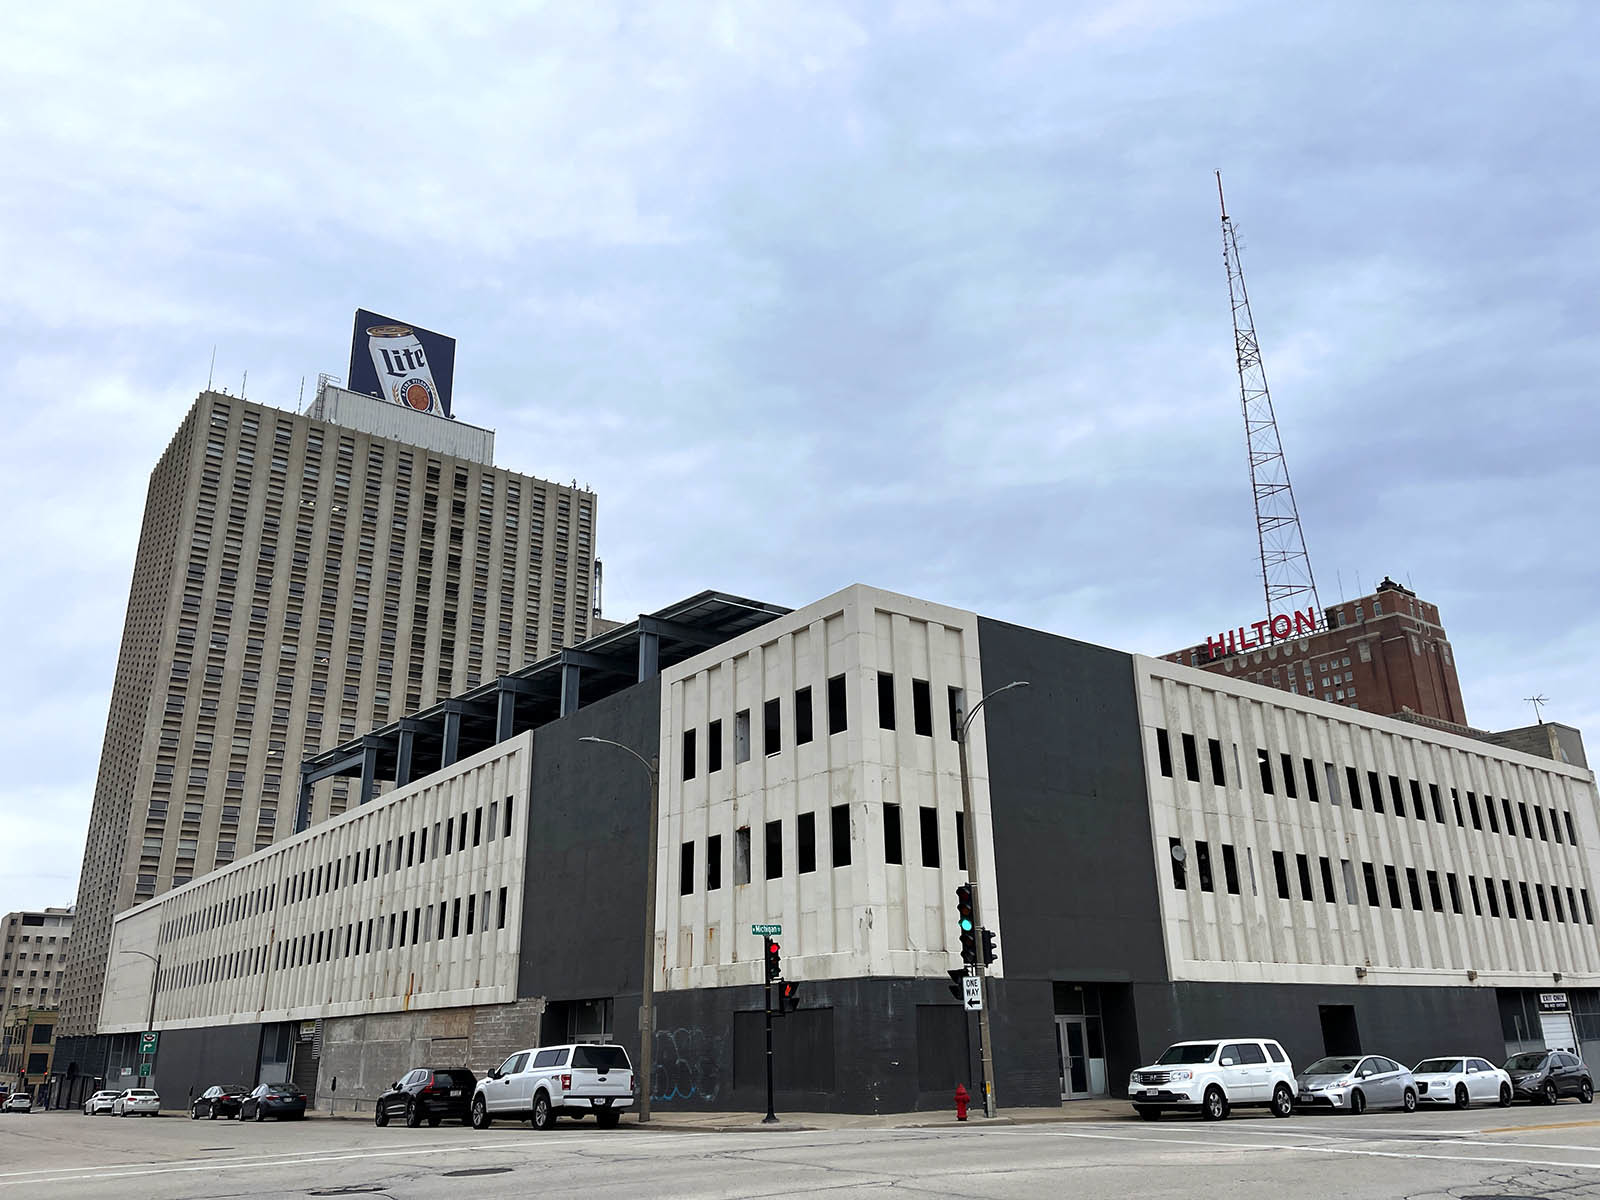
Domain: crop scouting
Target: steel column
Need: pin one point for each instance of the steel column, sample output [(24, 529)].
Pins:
[(452, 738)]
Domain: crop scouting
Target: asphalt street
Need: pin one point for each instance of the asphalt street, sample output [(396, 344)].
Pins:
[(1482, 1153)]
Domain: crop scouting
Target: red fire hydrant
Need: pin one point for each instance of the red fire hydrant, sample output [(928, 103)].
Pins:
[(961, 1102)]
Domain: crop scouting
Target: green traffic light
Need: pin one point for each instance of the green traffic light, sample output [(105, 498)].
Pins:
[(966, 925)]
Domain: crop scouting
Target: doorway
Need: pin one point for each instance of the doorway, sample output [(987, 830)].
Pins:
[(1080, 1041), (1339, 1033), (1082, 1058), (1556, 1028)]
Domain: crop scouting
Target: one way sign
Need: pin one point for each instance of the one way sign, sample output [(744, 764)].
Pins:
[(972, 993)]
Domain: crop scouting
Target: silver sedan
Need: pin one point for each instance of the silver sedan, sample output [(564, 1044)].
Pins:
[(1355, 1083)]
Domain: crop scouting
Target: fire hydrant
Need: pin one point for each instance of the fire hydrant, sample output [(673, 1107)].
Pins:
[(961, 1102)]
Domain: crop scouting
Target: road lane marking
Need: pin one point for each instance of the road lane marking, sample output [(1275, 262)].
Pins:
[(1553, 1125), (1360, 1153), (185, 1166)]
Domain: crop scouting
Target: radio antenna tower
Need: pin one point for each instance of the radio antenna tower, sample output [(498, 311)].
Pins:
[(1285, 565)]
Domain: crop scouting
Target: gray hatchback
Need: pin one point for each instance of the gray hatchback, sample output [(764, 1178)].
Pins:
[(1354, 1083)]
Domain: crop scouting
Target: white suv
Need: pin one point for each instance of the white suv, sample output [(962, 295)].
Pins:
[(542, 1083), (1214, 1076)]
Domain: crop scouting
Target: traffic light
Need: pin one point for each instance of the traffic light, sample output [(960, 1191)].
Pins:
[(774, 963), (788, 996), (967, 922), (956, 985), (988, 948)]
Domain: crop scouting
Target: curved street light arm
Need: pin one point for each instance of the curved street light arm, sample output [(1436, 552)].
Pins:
[(967, 720), (643, 761), (648, 977)]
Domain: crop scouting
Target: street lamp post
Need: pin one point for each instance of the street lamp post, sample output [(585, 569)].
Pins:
[(155, 982), (970, 825), (648, 982)]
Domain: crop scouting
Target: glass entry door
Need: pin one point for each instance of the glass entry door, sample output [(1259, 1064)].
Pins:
[(1072, 1047), (1081, 1051)]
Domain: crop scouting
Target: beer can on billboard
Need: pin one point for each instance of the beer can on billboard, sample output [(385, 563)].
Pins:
[(402, 363), (402, 367)]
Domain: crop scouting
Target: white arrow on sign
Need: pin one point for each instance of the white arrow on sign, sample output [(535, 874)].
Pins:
[(971, 993)]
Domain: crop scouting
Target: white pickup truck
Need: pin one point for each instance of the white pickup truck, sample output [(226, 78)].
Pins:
[(544, 1082)]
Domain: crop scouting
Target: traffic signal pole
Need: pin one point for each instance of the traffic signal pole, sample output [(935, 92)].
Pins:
[(970, 824), (974, 862), (771, 1118)]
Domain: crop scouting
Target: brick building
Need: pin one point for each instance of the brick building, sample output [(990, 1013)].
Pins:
[(1385, 653)]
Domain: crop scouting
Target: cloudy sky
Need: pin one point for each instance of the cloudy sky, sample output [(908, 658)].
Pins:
[(923, 295)]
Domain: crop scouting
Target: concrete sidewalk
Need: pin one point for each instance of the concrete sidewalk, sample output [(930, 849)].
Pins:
[(742, 1122), (677, 1121)]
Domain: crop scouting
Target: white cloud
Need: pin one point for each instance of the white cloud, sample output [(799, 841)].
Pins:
[(925, 294)]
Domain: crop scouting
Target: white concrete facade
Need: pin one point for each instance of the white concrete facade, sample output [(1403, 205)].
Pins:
[(411, 901), (872, 915), (1453, 836)]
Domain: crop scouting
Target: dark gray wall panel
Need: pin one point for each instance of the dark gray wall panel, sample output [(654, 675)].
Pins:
[(1077, 883), (886, 1045), (583, 903), (583, 913), (191, 1060), (1405, 1023)]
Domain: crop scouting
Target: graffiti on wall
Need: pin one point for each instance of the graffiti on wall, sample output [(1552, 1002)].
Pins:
[(687, 1065)]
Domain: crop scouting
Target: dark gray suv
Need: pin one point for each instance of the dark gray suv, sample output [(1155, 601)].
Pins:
[(1544, 1076)]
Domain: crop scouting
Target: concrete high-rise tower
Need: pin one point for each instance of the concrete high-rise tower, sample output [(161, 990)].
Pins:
[(301, 578)]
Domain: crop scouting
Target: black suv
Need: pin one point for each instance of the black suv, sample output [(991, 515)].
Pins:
[(223, 1100), (1547, 1075), (430, 1095)]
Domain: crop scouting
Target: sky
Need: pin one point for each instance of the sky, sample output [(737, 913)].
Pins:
[(922, 295)]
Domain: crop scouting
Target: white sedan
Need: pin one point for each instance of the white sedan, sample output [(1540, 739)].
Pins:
[(100, 1102), (137, 1101), (1461, 1082)]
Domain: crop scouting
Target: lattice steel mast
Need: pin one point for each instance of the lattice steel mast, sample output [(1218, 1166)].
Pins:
[(1285, 566)]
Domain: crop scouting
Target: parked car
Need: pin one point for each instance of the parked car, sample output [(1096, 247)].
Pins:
[(273, 1100), (543, 1083), (17, 1102), (1461, 1081), (1547, 1075), (428, 1094), (1213, 1077), (222, 1100), (100, 1102), (1354, 1083), (136, 1102)]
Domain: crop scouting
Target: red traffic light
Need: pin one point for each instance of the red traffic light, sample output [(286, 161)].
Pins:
[(774, 963)]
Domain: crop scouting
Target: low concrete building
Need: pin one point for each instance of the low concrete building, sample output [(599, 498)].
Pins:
[(1162, 852)]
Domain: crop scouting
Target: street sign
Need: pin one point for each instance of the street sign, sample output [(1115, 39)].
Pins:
[(144, 1070), (147, 1042), (972, 993), (766, 930)]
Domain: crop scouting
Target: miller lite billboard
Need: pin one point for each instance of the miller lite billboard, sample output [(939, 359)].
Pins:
[(403, 364)]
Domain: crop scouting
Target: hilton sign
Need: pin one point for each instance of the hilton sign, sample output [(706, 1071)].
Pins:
[(1278, 628)]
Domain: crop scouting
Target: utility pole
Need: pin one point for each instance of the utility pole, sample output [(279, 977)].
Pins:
[(974, 861), (647, 1028)]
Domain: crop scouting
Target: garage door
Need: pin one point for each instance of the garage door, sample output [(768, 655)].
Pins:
[(1558, 1033)]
